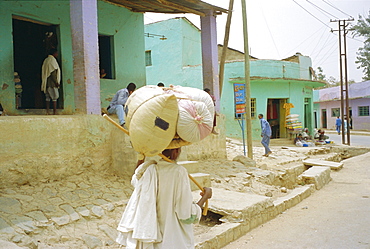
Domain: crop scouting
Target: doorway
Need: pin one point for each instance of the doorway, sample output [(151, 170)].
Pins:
[(324, 119), (307, 114), (31, 43), (276, 117)]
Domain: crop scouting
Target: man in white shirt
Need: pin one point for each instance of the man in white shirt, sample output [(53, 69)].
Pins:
[(51, 79)]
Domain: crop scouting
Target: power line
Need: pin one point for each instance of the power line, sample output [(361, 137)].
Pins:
[(268, 27), (328, 3), (322, 9), (312, 14)]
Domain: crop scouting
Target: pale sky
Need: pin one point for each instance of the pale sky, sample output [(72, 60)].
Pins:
[(279, 28)]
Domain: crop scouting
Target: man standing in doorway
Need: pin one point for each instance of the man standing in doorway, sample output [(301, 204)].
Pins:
[(119, 101), (51, 79), (265, 134), (338, 124)]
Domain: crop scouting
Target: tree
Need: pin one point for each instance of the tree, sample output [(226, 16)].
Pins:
[(362, 28)]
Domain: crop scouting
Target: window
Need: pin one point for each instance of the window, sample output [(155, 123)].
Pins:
[(253, 110), (335, 112), (148, 58), (253, 107), (363, 111), (106, 57)]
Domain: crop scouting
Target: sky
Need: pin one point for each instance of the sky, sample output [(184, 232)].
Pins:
[(278, 29)]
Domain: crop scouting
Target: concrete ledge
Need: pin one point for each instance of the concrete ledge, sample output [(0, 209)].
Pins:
[(255, 210), (318, 162), (317, 175), (191, 166), (203, 179)]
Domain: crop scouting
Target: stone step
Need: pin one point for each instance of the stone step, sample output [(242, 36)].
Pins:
[(318, 162), (243, 212), (203, 179), (317, 175), (191, 166)]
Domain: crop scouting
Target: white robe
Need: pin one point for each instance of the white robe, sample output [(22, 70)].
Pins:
[(50, 64), (160, 212)]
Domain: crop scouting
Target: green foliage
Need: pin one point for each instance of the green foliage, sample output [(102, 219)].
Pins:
[(362, 28)]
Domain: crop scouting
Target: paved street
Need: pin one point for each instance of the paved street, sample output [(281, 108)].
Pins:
[(356, 140), (337, 216)]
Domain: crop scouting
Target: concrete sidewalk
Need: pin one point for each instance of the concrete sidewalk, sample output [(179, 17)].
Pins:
[(335, 217), (352, 132)]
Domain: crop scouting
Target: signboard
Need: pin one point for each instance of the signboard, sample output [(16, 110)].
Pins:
[(239, 96)]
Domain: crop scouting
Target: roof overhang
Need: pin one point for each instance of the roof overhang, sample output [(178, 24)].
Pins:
[(310, 83), (169, 6)]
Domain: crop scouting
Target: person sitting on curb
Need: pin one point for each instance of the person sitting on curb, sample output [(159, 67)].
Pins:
[(119, 101)]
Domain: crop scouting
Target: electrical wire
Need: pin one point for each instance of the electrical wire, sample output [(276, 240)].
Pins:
[(312, 14), (322, 10), (272, 37), (328, 3)]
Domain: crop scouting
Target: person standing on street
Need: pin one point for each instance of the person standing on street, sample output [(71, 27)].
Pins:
[(338, 124), (51, 79), (118, 102), (265, 134)]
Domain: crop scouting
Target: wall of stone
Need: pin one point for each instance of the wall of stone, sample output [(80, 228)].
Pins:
[(49, 148)]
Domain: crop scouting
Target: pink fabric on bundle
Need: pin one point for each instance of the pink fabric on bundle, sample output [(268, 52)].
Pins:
[(204, 129)]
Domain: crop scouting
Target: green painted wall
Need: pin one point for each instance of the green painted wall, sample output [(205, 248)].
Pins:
[(39, 11), (172, 57), (127, 29)]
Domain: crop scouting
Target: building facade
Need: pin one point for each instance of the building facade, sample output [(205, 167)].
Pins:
[(328, 106), (273, 82)]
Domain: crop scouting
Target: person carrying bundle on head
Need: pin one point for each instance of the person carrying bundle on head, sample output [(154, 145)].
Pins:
[(161, 211)]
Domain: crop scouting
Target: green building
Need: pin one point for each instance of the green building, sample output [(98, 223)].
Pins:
[(274, 83)]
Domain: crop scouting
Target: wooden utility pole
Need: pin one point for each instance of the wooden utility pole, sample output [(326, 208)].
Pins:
[(225, 46), (247, 83), (344, 101)]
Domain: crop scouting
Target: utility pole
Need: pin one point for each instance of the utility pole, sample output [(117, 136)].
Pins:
[(247, 82), (344, 101)]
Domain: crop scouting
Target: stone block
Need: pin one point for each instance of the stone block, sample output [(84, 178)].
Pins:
[(191, 166), (318, 162), (203, 179), (317, 175)]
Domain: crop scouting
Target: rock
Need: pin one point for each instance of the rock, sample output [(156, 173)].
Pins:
[(24, 223), (69, 209), (283, 190), (268, 194), (38, 216), (92, 241), (5, 227), (9, 205), (109, 231), (245, 160), (263, 166), (83, 211), (6, 244), (109, 207), (97, 211), (60, 221)]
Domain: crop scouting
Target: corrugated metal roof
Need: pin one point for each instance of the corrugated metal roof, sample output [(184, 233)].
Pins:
[(168, 6)]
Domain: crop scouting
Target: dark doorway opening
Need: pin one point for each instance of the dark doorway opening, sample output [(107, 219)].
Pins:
[(31, 43), (324, 118), (275, 115)]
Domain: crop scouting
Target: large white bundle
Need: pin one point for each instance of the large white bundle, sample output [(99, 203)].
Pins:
[(153, 124), (195, 121), (197, 95), (137, 98)]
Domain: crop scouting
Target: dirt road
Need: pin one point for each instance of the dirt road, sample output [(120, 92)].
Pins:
[(337, 216)]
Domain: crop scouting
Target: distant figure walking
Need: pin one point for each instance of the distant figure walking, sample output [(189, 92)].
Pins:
[(265, 134), (338, 124)]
